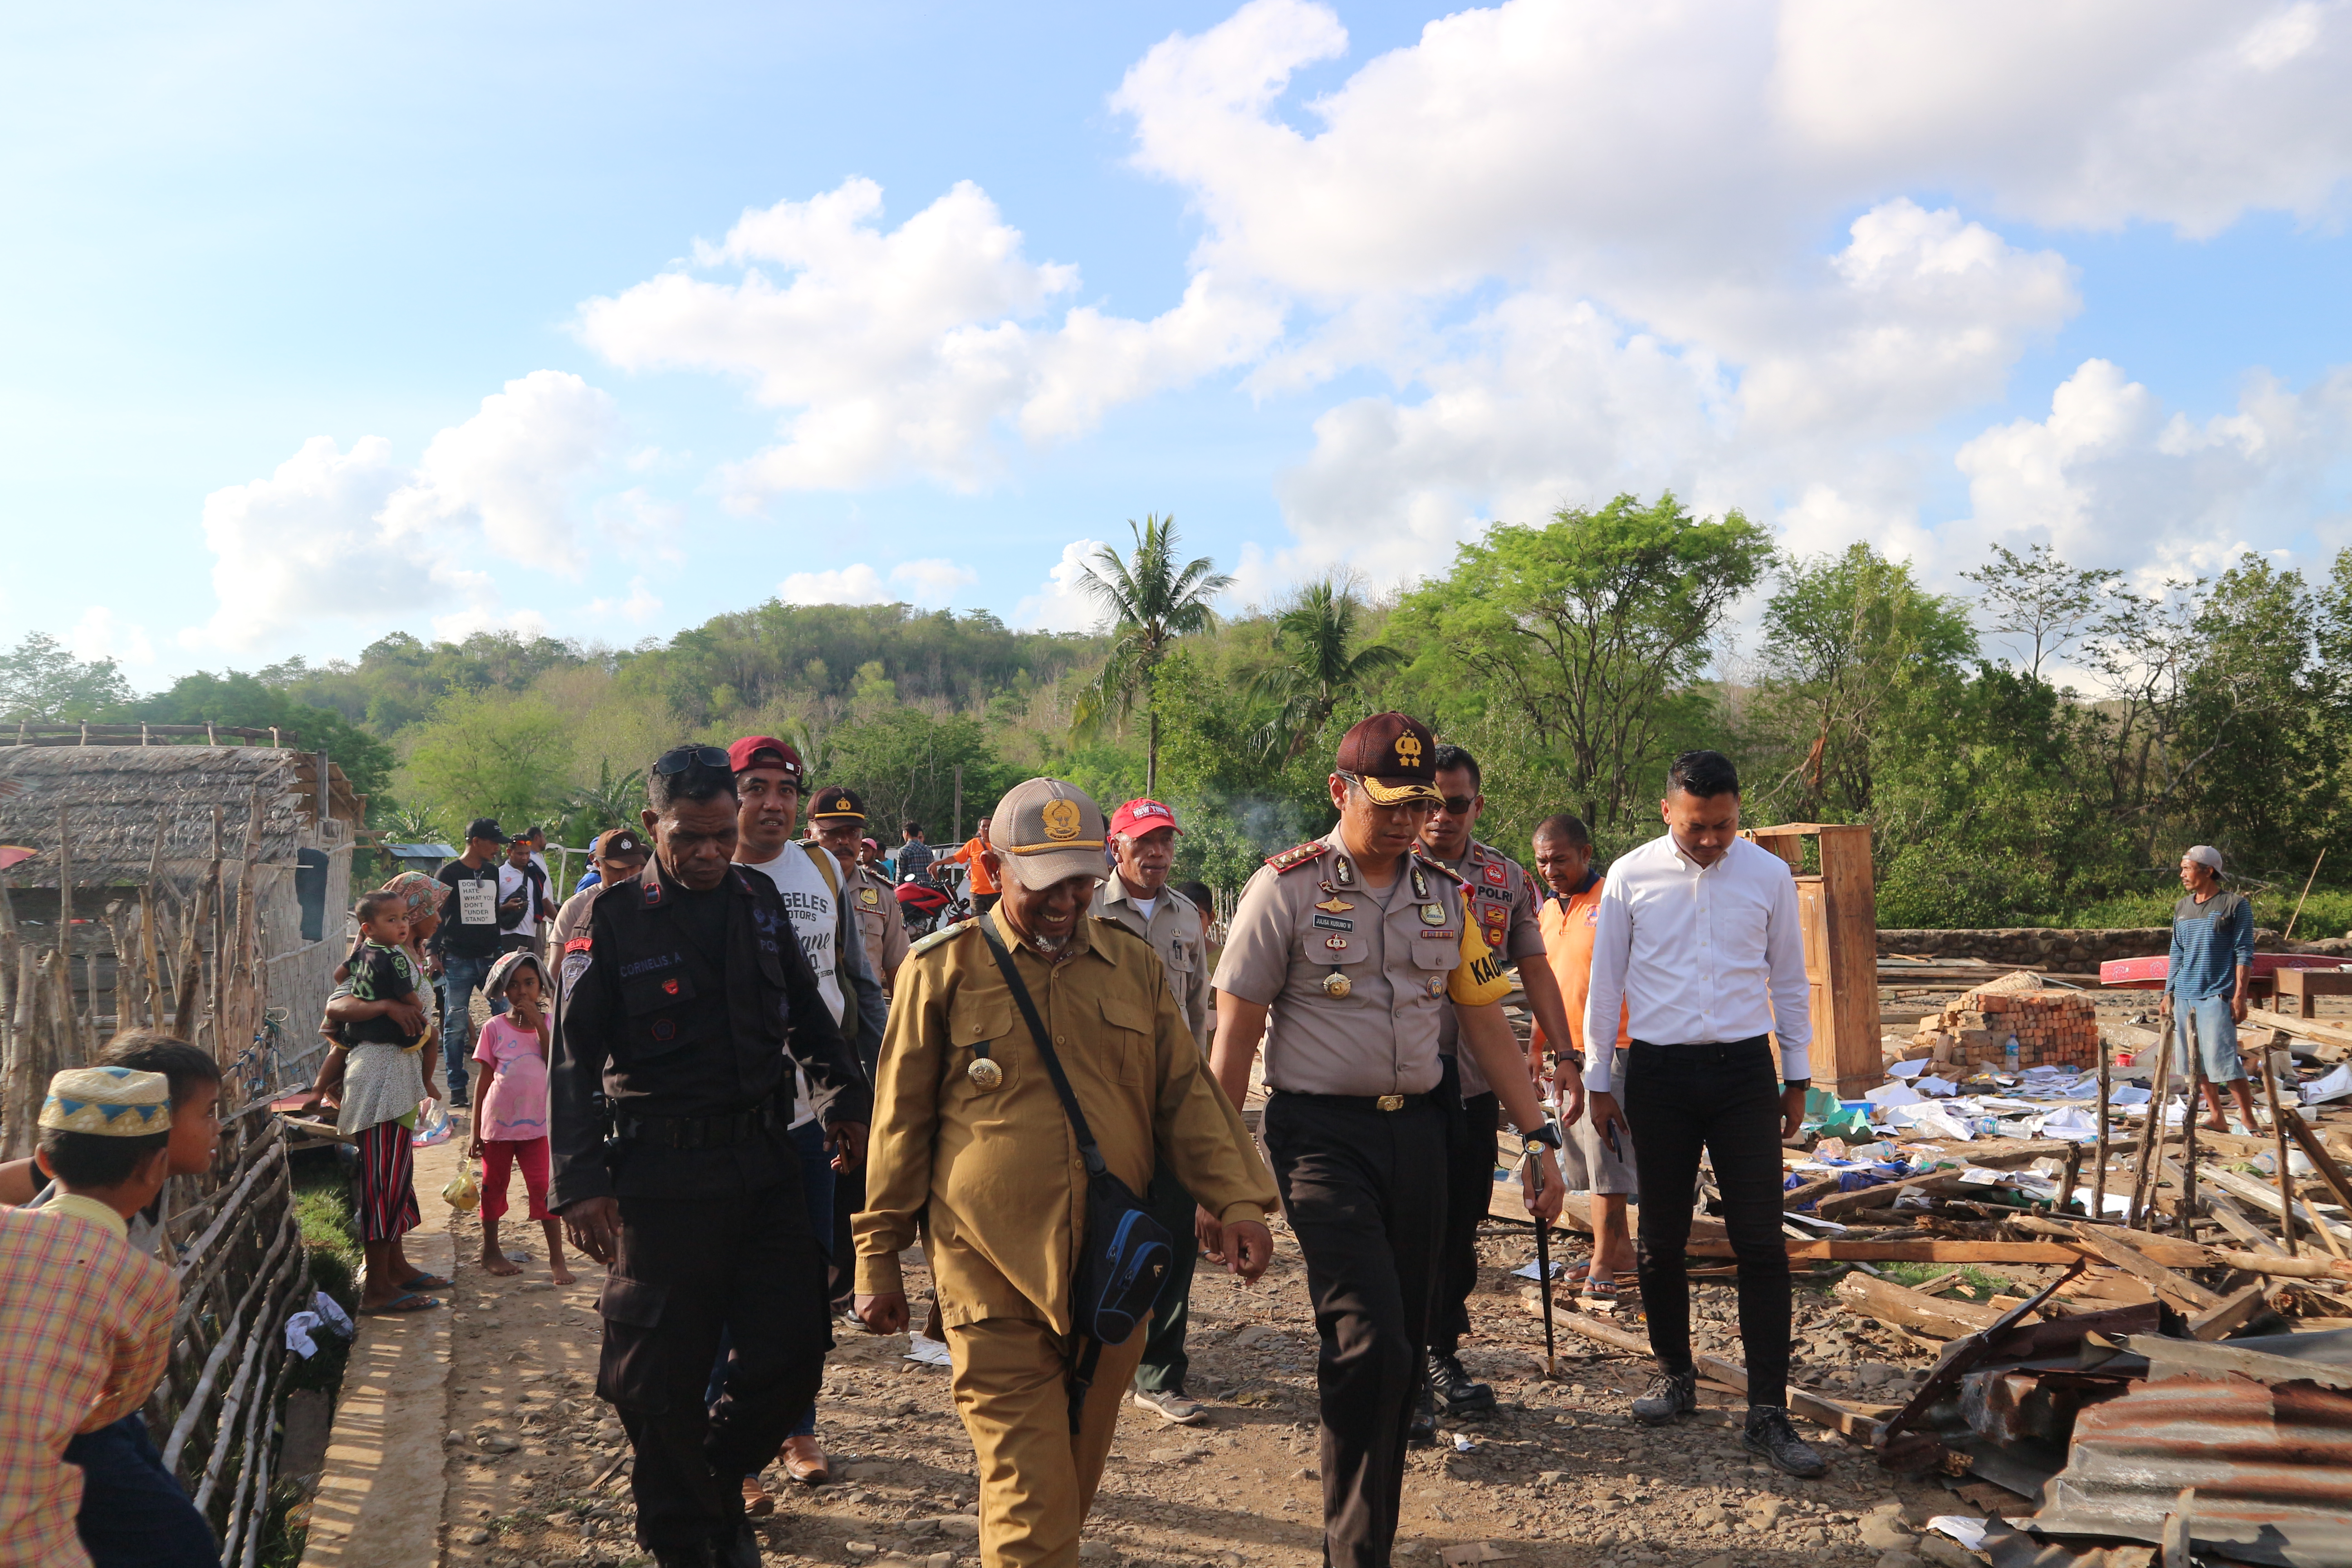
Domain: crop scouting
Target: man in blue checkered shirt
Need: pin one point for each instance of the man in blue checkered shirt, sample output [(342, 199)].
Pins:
[(2207, 981)]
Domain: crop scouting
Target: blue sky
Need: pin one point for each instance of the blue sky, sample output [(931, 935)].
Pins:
[(1329, 282)]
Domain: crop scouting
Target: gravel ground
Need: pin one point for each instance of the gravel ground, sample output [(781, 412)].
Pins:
[(1559, 1475)]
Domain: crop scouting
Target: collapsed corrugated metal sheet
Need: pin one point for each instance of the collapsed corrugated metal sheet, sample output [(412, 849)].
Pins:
[(2265, 1439)]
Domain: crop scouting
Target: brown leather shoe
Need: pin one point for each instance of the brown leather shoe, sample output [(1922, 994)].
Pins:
[(804, 1461), (756, 1500)]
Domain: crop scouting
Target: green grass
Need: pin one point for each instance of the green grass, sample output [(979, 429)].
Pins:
[(2328, 912), (1976, 1284)]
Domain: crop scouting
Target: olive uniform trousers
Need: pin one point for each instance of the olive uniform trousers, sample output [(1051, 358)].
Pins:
[(1037, 1479)]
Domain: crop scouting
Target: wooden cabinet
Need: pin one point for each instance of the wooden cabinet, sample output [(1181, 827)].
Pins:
[(1837, 902)]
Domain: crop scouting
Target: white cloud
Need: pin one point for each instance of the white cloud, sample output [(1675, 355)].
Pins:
[(1061, 603), (930, 583), (639, 608), (334, 534), (905, 352), (459, 625), (99, 635)]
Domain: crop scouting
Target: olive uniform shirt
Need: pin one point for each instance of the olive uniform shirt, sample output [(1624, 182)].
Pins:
[(1403, 953), (880, 921), (1174, 930), (1510, 911), (977, 1166)]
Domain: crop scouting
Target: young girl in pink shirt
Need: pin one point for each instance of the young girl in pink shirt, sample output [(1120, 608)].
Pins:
[(510, 1112)]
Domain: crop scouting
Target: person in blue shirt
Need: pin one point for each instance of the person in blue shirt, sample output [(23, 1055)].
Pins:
[(2208, 982)]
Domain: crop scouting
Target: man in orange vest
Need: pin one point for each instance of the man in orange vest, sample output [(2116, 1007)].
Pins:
[(984, 881)]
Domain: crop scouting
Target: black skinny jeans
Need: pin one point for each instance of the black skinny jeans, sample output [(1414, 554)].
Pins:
[(1725, 1100)]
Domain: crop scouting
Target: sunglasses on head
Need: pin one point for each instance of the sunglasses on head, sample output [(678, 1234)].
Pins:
[(677, 759)]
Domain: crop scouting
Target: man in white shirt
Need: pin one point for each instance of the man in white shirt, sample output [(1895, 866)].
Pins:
[(1698, 938), (523, 895)]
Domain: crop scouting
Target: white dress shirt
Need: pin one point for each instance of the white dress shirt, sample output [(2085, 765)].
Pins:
[(1699, 955)]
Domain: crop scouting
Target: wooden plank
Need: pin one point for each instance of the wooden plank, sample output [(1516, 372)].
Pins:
[(2309, 1028), (2283, 1267), (2233, 1310), (2256, 1195), (2178, 1288), (1891, 1303), (1732, 1375), (1923, 1251)]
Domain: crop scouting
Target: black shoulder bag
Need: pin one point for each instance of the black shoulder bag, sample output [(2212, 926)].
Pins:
[(1124, 1257)]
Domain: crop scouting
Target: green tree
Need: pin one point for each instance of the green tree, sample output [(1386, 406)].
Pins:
[(2040, 600), (1852, 645), (251, 702), (1152, 601), (42, 683), (613, 801), (903, 762), (1316, 635), (492, 754), (1583, 631)]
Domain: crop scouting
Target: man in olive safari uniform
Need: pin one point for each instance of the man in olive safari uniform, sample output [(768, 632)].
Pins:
[(838, 817), (1342, 955), (971, 1141), (1137, 895)]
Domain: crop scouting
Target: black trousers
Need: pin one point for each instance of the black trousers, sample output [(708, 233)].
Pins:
[(1365, 1192), (1469, 1189), (1165, 1365), (689, 1270), (841, 1264), (1725, 1100)]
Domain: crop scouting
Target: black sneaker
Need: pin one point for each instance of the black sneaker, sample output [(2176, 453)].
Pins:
[(741, 1551), (1454, 1386), (1769, 1433), (1672, 1395), (1421, 1432)]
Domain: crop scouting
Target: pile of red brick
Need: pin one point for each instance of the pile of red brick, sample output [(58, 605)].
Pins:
[(2053, 1028)]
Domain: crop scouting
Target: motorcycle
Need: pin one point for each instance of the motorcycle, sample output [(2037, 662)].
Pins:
[(929, 906)]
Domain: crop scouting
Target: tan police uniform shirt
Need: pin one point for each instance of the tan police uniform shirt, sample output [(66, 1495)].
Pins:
[(881, 924), (997, 1170), (1508, 910), (1308, 915), (1174, 930)]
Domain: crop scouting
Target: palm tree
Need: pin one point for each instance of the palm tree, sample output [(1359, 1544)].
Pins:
[(1314, 634), (1152, 601), (610, 801)]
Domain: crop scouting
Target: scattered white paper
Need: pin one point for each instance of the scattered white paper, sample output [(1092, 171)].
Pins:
[(1907, 1069), (1968, 1532), (1887, 1096), (2335, 1086), (1815, 1222), (2130, 1094), (1464, 1442), (1529, 1270), (1939, 1087), (926, 1352)]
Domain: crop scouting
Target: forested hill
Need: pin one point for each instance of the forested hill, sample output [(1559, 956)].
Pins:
[(2038, 748)]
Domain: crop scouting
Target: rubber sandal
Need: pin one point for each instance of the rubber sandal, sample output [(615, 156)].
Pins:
[(1602, 1291), (423, 1282), (400, 1305)]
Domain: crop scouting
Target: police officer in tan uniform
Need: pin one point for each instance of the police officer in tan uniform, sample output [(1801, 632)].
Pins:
[(1137, 895), (971, 1144), (838, 817), (1505, 904), (1342, 956)]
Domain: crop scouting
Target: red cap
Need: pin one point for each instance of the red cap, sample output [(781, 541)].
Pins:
[(745, 753), (1141, 817)]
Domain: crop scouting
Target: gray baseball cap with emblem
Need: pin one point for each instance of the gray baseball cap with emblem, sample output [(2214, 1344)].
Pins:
[(1044, 831)]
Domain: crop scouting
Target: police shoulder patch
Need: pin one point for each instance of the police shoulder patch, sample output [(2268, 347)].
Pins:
[(1448, 872), (1299, 854), (941, 936)]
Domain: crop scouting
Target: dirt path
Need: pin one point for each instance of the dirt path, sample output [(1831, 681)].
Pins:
[(1559, 1476)]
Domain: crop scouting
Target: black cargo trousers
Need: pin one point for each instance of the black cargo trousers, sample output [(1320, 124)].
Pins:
[(739, 1259)]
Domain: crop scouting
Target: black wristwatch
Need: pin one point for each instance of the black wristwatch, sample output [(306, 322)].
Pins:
[(1787, 1083), (1545, 1137)]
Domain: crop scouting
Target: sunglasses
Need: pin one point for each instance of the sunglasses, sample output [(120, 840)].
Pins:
[(1459, 805), (680, 758)]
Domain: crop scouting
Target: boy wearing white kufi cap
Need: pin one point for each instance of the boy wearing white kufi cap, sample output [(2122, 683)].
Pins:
[(85, 1324)]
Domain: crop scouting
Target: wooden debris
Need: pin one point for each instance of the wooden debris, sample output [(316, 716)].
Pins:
[(1907, 1309)]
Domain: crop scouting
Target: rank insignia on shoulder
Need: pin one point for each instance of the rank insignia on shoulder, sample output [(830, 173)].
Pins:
[(1448, 872), (941, 935), (1298, 854)]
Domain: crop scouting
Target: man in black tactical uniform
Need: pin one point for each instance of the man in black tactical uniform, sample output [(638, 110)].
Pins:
[(684, 1004)]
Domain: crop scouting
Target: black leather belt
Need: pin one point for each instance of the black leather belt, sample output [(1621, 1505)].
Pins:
[(699, 1132), (1361, 1102)]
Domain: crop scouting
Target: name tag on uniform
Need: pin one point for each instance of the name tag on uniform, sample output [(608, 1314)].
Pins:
[(478, 903), (1333, 923), (1439, 935)]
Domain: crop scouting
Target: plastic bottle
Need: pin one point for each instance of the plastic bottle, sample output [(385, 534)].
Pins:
[(2011, 1056)]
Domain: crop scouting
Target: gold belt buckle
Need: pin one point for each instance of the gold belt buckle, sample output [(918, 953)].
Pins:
[(1390, 1102)]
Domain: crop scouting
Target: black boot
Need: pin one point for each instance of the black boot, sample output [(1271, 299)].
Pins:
[(1769, 1433), (1672, 1395), (1421, 1432), (1454, 1388)]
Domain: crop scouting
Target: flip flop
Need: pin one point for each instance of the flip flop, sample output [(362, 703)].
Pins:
[(1598, 1289), (424, 1282), (399, 1305)]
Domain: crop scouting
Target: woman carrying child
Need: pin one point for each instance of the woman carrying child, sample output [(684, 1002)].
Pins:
[(378, 1073), (510, 1114)]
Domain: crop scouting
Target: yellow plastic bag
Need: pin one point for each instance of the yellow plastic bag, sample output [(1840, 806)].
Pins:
[(464, 1193)]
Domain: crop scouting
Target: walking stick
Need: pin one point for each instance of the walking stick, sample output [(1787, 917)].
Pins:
[(1543, 1268)]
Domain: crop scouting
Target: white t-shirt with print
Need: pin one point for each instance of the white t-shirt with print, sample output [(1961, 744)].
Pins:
[(815, 921)]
